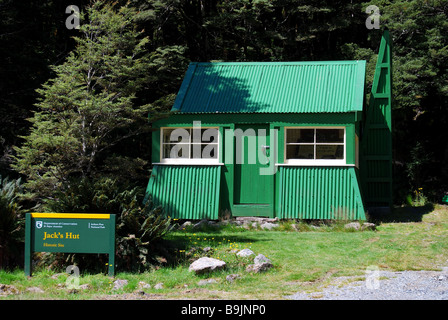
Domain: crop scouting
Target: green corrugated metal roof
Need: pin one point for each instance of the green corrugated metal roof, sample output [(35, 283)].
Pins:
[(272, 87)]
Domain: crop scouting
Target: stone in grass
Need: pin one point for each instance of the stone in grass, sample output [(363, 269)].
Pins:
[(158, 286), (268, 226), (353, 226), (6, 289), (261, 263), (368, 226), (143, 285), (206, 264), (232, 277), (119, 284), (245, 253), (35, 290), (204, 282), (357, 226)]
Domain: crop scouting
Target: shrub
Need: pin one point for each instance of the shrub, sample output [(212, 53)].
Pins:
[(138, 226), (11, 223)]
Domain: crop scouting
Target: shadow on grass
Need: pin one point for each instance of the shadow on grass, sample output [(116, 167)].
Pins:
[(403, 214)]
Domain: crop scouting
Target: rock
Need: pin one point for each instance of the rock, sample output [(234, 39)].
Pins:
[(119, 284), (158, 286), (6, 289), (206, 281), (143, 285), (207, 249), (261, 259), (185, 225), (368, 226), (206, 264), (261, 263), (353, 225), (256, 268), (35, 290), (245, 253), (268, 226), (232, 277), (200, 224), (84, 286)]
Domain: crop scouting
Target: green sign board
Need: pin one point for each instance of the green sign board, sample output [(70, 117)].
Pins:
[(70, 233)]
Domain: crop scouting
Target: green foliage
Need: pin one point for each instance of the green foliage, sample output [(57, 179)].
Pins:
[(138, 226), (11, 223), (88, 108)]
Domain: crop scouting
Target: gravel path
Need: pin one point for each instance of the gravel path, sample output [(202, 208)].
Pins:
[(384, 285)]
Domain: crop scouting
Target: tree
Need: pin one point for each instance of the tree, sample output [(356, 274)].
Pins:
[(420, 86), (89, 107)]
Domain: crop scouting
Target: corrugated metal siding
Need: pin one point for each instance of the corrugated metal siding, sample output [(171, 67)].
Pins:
[(286, 87), (186, 192), (319, 193)]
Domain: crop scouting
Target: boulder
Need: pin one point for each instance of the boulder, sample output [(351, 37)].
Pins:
[(353, 225), (206, 264), (185, 225), (232, 277), (119, 284), (261, 263), (268, 226), (245, 253), (368, 226), (35, 290), (6, 289), (201, 224), (143, 285), (158, 286), (261, 259)]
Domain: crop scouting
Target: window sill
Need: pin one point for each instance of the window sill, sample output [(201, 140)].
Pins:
[(314, 164), (193, 163)]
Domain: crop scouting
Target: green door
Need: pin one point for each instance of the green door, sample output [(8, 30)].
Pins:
[(253, 187)]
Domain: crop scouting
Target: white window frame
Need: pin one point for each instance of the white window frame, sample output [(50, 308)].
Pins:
[(315, 162), (189, 161)]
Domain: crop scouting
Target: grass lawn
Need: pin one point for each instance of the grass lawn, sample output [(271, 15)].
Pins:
[(410, 239)]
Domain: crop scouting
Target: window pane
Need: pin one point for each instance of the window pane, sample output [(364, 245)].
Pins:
[(175, 151), (299, 135), (204, 151), (300, 152), (330, 135), (176, 135), (210, 135), (329, 151)]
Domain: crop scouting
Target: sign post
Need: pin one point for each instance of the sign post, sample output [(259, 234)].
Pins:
[(69, 233)]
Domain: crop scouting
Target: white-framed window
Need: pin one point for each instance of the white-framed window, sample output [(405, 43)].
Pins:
[(189, 145), (315, 145)]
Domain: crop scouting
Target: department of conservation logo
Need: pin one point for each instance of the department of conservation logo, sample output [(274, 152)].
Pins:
[(38, 224)]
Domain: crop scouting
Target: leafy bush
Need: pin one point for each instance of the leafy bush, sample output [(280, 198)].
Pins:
[(11, 223), (138, 226)]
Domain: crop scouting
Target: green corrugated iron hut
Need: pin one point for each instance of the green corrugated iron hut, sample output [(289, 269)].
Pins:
[(275, 139)]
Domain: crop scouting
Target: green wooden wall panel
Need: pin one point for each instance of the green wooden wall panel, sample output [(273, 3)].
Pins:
[(376, 141)]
